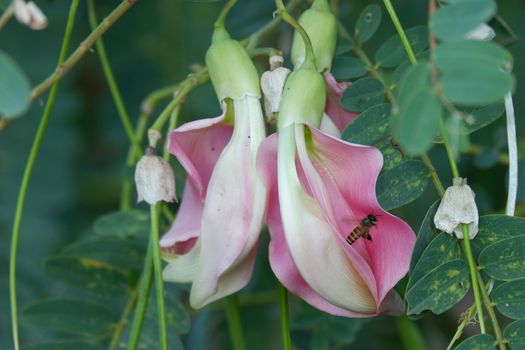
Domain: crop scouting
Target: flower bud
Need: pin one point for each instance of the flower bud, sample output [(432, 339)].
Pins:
[(29, 14), (303, 99), (321, 26), (458, 207), (154, 179), (272, 84), (231, 70)]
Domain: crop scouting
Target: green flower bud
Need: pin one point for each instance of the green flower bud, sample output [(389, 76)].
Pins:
[(303, 99), (231, 69), (321, 26)]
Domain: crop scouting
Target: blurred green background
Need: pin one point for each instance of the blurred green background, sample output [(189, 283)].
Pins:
[(78, 173)]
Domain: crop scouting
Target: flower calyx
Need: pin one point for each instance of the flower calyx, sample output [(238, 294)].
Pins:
[(231, 69)]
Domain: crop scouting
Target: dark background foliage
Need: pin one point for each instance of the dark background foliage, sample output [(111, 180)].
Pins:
[(78, 173)]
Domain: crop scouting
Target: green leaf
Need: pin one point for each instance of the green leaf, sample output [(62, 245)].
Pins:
[(473, 72), (124, 254), (123, 224), (426, 233), (363, 94), (416, 116), (495, 228), (402, 184), (460, 53), (346, 68), (88, 275), (392, 155), (514, 333), (441, 250), (14, 88), (343, 46), (369, 127), (70, 316), (477, 342), (439, 290), (326, 329), (504, 260), (509, 298), (480, 117), (177, 320), (457, 19), (392, 52), (367, 23), (62, 345)]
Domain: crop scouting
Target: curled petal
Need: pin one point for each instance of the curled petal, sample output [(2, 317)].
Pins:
[(197, 145), (342, 177), (339, 115), (281, 260), (29, 14), (234, 210), (310, 237), (186, 227)]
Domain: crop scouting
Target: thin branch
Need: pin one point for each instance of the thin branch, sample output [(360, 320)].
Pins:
[(84, 46)]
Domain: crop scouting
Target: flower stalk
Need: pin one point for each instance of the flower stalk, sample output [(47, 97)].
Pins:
[(28, 171)]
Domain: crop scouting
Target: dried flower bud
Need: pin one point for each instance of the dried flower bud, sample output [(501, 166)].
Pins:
[(272, 84), (458, 207), (154, 179), (29, 14), (482, 32)]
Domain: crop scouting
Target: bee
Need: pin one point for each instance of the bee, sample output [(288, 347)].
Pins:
[(362, 230)]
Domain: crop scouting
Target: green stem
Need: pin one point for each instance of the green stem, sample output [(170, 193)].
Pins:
[(35, 148), (82, 49), (183, 90), (128, 184), (466, 240), (468, 316), (113, 87), (253, 40), (309, 58), (6, 16), (410, 334), (121, 325), (142, 302), (222, 16), (159, 283), (400, 31), (285, 318), (473, 275), (234, 322), (492, 314), (174, 118)]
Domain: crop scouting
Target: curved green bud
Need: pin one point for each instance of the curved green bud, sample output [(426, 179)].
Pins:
[(321, 26), (231, 69), (303, 99)]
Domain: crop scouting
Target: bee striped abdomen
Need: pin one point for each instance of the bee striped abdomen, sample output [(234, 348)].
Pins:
[(362, 230), (359, 231)]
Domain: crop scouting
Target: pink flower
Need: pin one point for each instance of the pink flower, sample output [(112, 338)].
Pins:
[(340, 116), (320, 188), (212, 242)]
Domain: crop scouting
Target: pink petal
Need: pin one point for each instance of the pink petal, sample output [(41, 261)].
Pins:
[(197, 145), (310, 237), (187, 224), (280, 259), (234, 210), (339, 115), (343, 177)]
